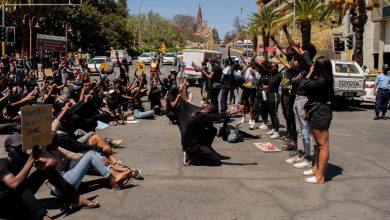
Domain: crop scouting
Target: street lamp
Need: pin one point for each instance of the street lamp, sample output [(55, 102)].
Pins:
[(139, 24), (32, 23), (68, 28)]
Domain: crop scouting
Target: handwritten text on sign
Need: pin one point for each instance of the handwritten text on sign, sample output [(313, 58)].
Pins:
[(36, 126)]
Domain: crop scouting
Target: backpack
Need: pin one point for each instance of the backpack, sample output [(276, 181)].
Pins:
[(234, 136)]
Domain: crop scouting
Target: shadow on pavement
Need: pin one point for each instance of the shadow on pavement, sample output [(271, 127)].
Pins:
[(332, 171), (240, 164), (92, 185)]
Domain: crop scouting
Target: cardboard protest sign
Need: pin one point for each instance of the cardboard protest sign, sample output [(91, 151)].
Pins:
[(267, 147), (36, 126), (48, 72)]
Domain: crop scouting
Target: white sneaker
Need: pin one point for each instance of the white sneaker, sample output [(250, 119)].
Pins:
[(294, 159), (242, 120), (252, 126), (271, 132), (275, 135), (186, 160), (263, 126), (303, 164)]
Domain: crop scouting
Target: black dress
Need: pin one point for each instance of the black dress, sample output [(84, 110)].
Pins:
[(319, 94)]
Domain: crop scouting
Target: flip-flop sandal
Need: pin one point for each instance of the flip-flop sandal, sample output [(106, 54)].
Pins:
[(311, 179), (308, 172), (96, 205), (122, 184)]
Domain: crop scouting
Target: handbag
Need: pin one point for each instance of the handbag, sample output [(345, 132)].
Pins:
[(309, 108)]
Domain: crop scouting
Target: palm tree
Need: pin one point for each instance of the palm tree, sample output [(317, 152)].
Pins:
[(264, 22), (307, 12), (251, 29), (358, 20)]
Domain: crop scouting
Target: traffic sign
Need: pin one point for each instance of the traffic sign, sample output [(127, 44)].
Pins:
[(270, 49), (104, 66), (141, 66)]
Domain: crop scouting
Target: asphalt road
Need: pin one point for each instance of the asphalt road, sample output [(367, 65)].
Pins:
[(253, 185)]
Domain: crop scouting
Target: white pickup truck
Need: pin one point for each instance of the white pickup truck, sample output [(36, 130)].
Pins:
[(348, 81)]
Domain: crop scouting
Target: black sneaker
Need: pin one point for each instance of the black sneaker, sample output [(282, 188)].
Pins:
[(376, 117), (289, 147)]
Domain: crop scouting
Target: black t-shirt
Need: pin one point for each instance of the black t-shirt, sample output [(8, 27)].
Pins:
[(304, 63), (287, 77), (274, 82), (217, 70), (318, 90), (5, 169)]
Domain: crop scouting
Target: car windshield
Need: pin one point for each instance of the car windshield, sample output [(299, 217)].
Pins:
[(179, 53), (98, 61), (169, 55), (346, 68), (145, 55)]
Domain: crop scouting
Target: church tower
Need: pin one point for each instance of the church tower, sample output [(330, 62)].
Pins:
[(199, 22)]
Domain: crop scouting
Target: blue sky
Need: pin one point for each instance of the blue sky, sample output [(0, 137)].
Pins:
[(218, 13)]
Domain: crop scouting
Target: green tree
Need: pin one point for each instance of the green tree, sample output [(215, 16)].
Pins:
[(307, 12), (216, 36), (264, 23)]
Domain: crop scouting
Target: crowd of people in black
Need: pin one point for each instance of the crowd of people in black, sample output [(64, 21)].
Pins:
[(79, 105), (303, 87)]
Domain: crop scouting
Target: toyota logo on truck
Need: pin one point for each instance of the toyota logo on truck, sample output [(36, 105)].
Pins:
[(343, 83)]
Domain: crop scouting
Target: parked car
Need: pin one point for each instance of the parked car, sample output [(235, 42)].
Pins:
[(179, 54), (122, 54), (169, 58), (145, 58), (348, 81), (369, 88), (98, 61), (222, 44), (239, 43)]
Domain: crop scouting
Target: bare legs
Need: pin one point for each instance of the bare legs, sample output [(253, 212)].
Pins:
[(99, 141), (322, 153)]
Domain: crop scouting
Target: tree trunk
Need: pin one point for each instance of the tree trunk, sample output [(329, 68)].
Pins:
[(255, 41), (358, 20), (306, 32), (266, 44)]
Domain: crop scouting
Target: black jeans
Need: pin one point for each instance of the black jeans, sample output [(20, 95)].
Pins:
[(273, 101), (22, 200), (287, 101), (260, 107), (382, 101), (224, 99), (213, 94), (205, 155)]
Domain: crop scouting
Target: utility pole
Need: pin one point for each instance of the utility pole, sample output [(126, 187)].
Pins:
[(3, 24), (139, 24)]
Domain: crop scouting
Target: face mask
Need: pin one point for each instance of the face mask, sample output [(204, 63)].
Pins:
[(14, 155)]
